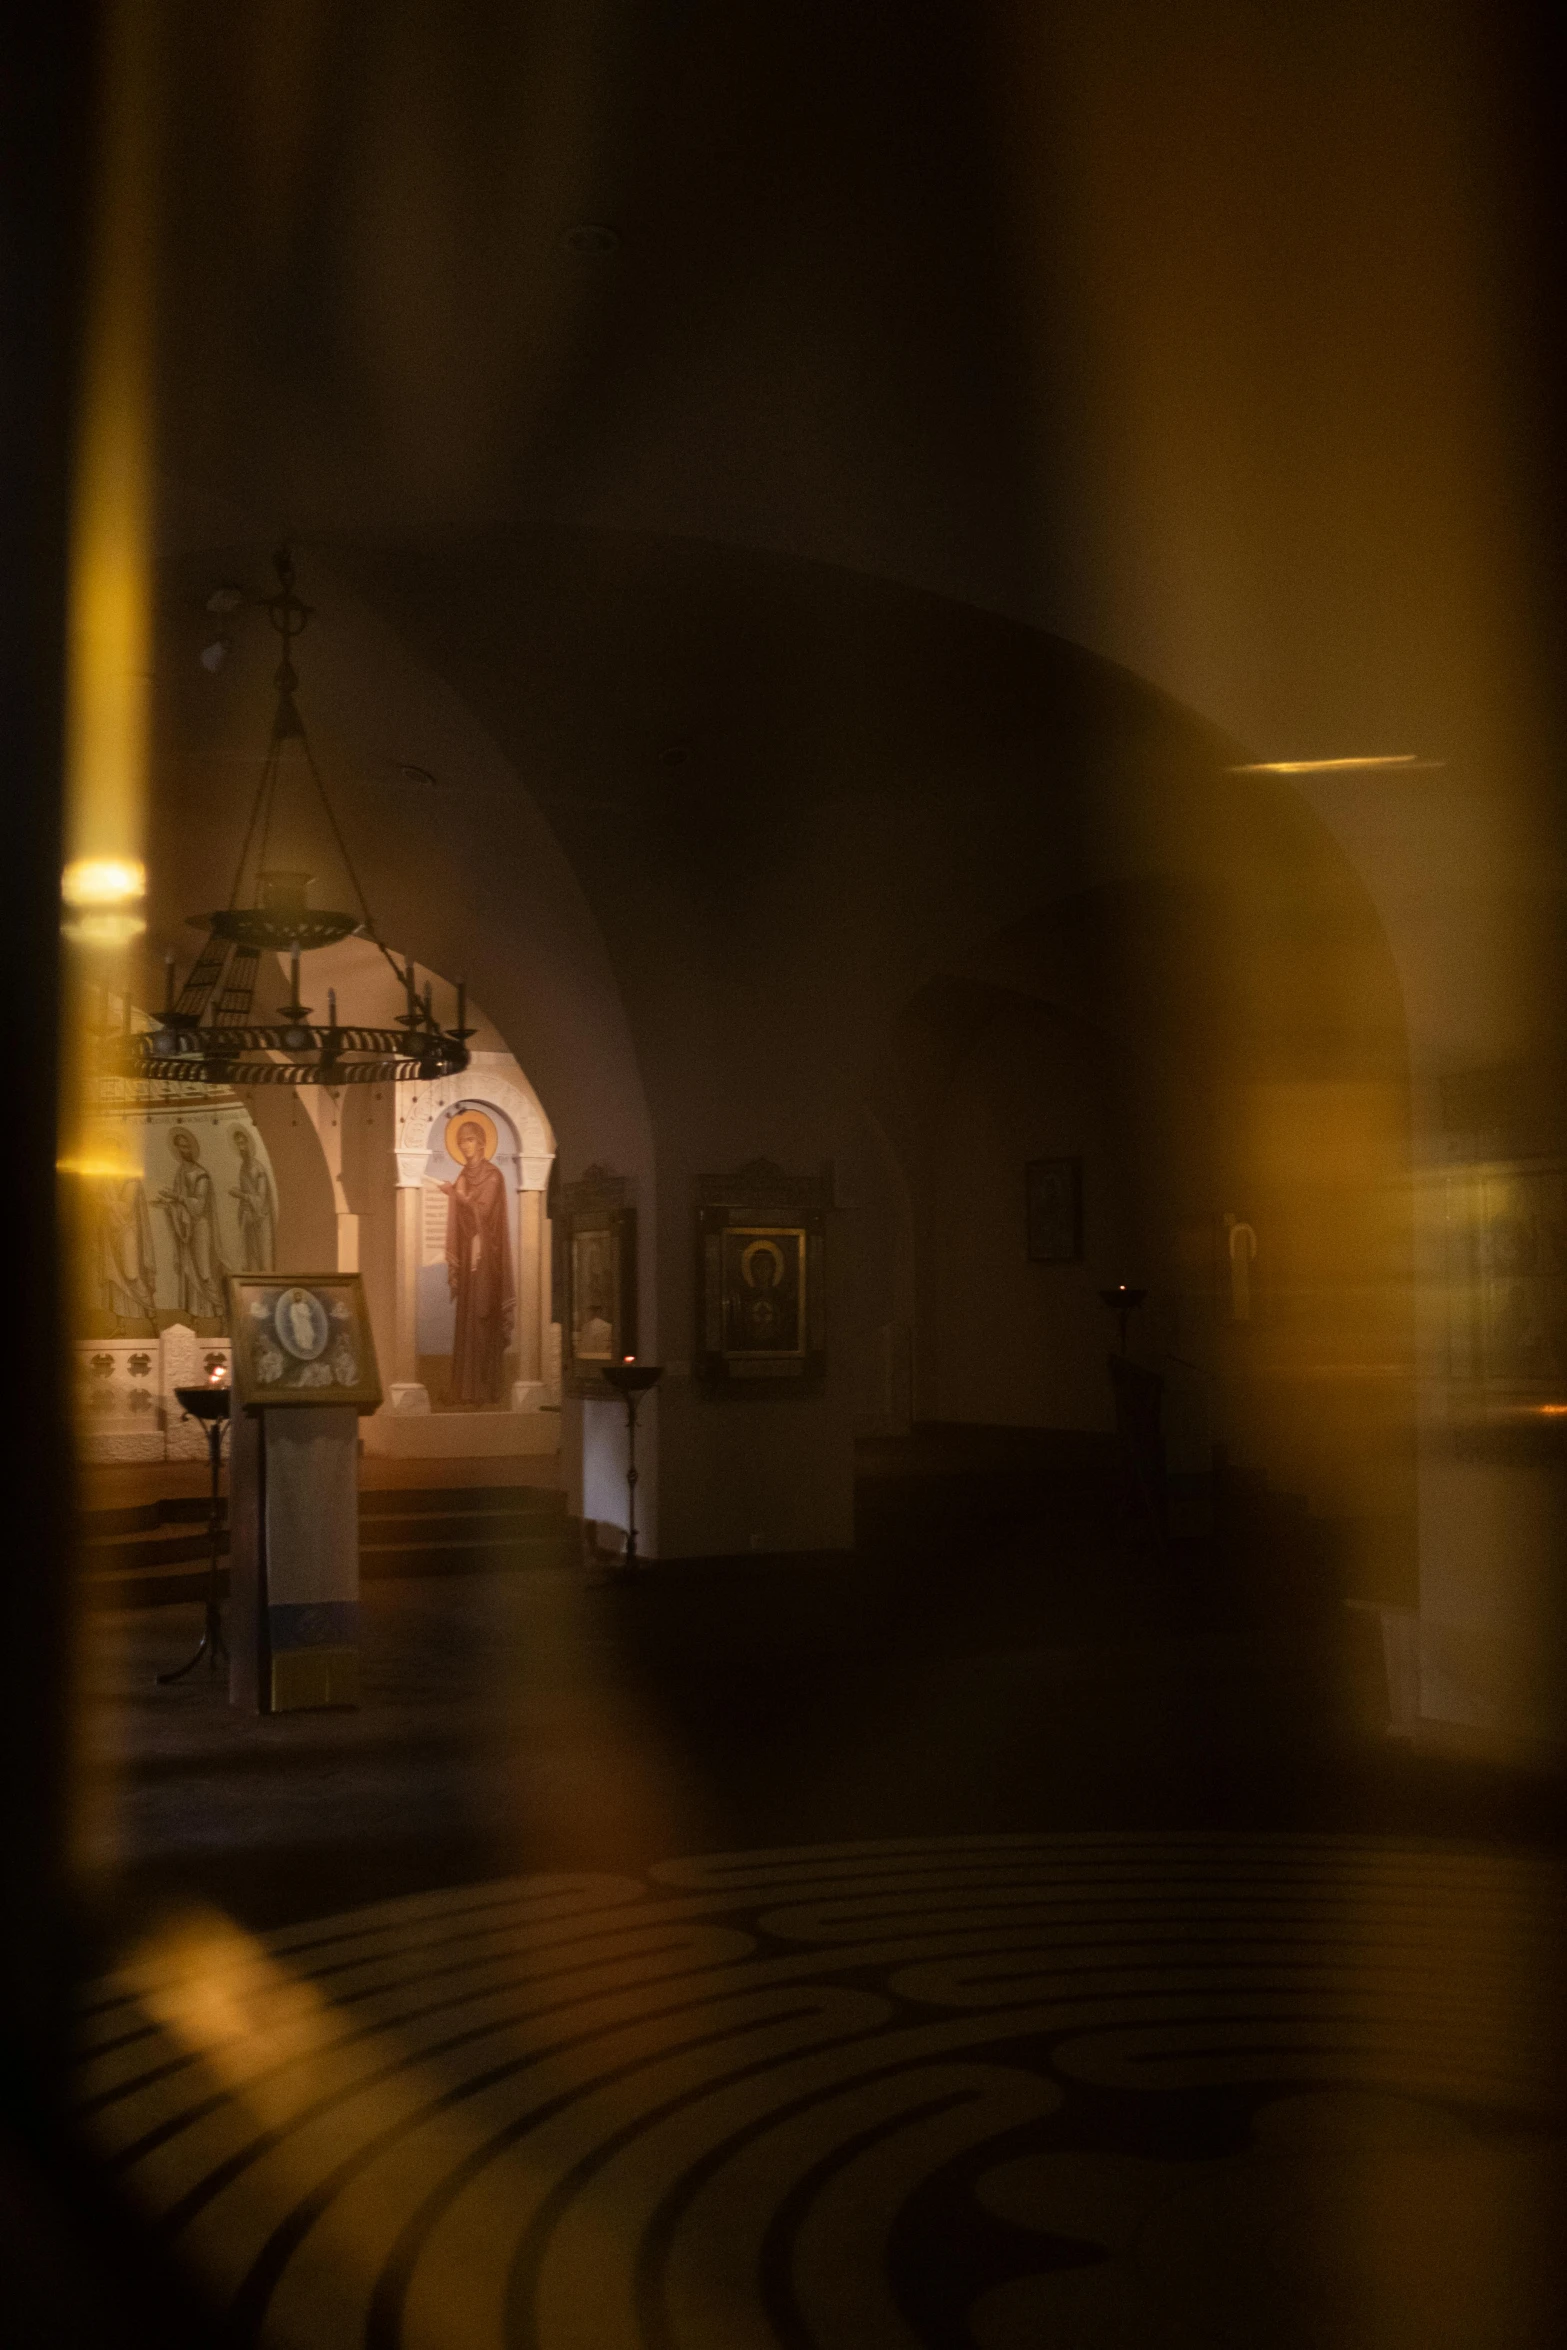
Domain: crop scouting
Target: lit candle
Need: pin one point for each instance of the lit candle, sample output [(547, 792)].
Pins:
[(168, 987)]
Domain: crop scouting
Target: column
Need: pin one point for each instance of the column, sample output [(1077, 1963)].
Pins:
[(549, 1336), (404, 1392), (323, 1105), (529, 1349)]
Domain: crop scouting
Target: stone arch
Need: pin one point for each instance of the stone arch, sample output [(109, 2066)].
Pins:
[(421, 1102)]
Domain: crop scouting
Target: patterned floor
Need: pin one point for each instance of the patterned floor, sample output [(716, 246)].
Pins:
[(1000, 2091)]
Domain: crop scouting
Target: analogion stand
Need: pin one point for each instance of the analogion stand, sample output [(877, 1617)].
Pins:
[(210, 1405), (294, 1499)]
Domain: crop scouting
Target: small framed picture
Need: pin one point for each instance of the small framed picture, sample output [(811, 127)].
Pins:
[(1054, 1190), (760, 1307), (301, 1338), (599, 1264)]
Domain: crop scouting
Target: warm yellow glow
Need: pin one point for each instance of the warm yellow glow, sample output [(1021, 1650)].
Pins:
[(103, 881), (105, 931), (110, 610), (1404, 760), (105, 1154), (221, 1996), (103, 888), (108, 659)]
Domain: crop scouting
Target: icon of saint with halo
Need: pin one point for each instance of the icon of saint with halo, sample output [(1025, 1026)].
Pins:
[(478, 1264)]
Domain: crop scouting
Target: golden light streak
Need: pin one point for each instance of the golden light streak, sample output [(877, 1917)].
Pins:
[(105, 1155), (108, 662), (109, 654), (1405, 762)]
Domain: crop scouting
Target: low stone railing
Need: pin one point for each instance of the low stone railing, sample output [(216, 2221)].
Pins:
[(126, 1408)]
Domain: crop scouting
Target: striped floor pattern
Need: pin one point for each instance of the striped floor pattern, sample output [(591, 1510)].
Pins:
[(735, 2104)]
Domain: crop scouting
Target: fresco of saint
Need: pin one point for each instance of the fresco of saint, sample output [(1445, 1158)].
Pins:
[(190, 1205), (127, 1274), (478, 1270), (256, 1205)]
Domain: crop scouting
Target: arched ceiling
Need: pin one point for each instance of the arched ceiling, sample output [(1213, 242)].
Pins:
[(1191, 334), (714, 816), (1190, 331)]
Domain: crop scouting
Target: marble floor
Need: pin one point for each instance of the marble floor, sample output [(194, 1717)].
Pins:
[(789, 1957)]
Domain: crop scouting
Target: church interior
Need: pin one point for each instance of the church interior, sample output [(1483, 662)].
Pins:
[(789, 1460)]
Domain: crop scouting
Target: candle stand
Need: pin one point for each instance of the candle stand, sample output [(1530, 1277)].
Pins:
[(1123, 1301), (210, 1405), (633, 1381), (1138, 1393)]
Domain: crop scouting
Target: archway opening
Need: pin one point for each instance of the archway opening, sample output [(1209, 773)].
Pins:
[(434, 1192)]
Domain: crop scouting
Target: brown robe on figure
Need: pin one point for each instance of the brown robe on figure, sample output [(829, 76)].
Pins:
[(478, 1262)]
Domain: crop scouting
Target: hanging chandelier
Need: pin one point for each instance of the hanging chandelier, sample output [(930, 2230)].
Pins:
[(207, 1033)]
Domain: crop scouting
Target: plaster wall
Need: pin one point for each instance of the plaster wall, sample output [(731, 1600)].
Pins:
[(714, 970), (1002, 1340), (307, 1210), (1199, 335)]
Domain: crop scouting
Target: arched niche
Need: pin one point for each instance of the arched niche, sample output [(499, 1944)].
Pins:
[(430, 1115), (493, 1080), (384, 1154), (353, 1179)]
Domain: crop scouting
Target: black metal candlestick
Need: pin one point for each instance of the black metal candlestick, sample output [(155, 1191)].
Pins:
[(633, 1381), (210, 1405), (1123, 1301)]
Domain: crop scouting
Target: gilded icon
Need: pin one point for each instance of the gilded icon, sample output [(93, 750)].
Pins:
[(594, 1288), (596, 1227), (764, 1290), (305, 1340)]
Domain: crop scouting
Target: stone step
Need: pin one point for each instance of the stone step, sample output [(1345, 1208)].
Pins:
[(559, 1546), (131, 1559), (464, 1500), (144, 1516), (150, 1540), (155, 1585), (148, 1550)]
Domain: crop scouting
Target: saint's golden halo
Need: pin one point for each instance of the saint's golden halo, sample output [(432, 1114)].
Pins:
[(758, 1248), (480, 1118)]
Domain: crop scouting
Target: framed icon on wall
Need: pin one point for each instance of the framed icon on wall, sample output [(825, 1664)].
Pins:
[(760, 1306), (1054, 1196), (598, 1268)]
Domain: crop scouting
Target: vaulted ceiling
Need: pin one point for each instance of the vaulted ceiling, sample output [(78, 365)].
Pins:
[(1191, 335)]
